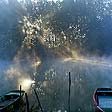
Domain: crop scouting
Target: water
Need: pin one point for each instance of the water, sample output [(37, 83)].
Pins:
[(85, 79), (52, 85)]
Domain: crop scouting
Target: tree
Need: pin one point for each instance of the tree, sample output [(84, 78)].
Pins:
[(10, 35)]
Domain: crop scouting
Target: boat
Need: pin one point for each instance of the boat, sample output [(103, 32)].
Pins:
[(103, 100), (11, 101)]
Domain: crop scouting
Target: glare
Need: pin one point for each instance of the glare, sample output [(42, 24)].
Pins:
[(27, 83)]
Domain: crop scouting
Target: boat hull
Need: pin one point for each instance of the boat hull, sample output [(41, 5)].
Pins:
[(12, 101), (103, 100)]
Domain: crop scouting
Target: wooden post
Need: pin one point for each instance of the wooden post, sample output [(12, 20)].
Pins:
[(20, 90), (69, 92), (27, 103), (38, 100)]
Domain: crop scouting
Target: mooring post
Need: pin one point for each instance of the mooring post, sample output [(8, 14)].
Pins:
[(20, 90), (27, 102), (38, 100), (69, 92)]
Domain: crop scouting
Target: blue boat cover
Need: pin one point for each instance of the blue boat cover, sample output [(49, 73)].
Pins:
[(105, 101)]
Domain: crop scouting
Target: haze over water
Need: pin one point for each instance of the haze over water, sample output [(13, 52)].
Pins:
[(52, 86), (85, 79)]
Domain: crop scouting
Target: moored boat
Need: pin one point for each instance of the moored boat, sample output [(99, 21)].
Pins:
[(103, 99), (11, 100)]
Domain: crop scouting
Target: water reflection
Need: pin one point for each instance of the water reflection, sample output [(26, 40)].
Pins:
[(51, 84), (85, 79)]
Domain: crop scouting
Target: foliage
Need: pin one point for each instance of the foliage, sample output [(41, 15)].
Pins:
[(70, 24), (10, 34), (84, 25)]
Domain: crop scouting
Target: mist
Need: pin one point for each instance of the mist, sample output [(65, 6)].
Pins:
[(86, 77), (51, 81), (41, 42)]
